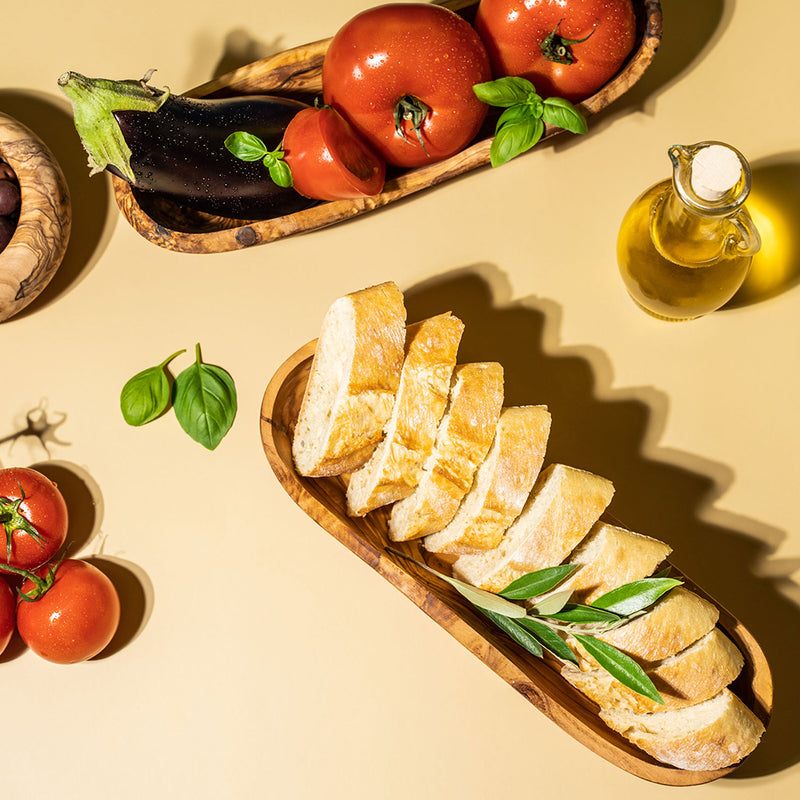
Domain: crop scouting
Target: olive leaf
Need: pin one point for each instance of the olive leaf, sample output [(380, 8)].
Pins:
[(147, 394), (513, 627), (205, 402), (523, 122), (553, 603), (584, 615), (633, 597), (549, 638), (538, 582), (620, 666), (248, 147)]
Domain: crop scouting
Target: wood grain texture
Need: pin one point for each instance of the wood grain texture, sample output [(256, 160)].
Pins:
[(538, 680), (40, 240), (297, 73)]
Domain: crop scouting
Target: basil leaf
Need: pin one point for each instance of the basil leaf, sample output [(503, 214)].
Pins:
[(147, 394), (538, 582), (514, 629), (504, 92), (632, 597), (279, 170), (561, 113), (246, 146), (514, 139), (583, 615), (620, 666), (205, 402), (550, 639), (514, 114)]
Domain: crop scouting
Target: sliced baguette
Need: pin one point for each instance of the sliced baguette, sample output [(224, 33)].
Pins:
[(692, 676), (564, 504), (354, 377), (676, 621), (609, 557), (502, 483), (462, 441), (711, 735), (395, 468)]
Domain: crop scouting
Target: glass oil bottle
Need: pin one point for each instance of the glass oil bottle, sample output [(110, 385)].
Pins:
[(685, 245)]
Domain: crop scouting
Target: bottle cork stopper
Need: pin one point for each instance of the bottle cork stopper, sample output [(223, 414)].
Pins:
[(716, 169)]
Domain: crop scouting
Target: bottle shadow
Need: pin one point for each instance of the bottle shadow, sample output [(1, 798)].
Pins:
[(774, 205), (663, 493), (90, 234)]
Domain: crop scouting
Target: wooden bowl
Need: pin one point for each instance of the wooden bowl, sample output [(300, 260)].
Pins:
[(297, 73), (538, 680), (37, 248)]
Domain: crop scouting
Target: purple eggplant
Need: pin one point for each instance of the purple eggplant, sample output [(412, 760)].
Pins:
[(173, 146)]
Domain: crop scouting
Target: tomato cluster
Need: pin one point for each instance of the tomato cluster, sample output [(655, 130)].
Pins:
[(67, 610), (398, 80)]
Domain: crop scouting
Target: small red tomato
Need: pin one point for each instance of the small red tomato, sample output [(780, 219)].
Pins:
[(565, 48), (75, 618), (402, 75), (328, 159), (33, 518), (7, 605)]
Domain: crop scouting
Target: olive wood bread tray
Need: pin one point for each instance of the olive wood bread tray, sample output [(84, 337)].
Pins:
[(297, 74), (538, 680)]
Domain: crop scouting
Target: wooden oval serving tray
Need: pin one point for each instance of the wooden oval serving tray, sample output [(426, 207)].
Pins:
[(536, 679), (297, 73)]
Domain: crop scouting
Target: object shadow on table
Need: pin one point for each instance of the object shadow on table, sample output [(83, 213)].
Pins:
[(85, 505), (774, 205), (52, 122), (663, 493)]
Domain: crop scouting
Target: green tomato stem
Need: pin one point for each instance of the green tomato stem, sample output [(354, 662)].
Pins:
[(557, 49), (410, 109)]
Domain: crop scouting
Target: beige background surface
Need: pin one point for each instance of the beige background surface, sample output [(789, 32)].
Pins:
[(258, 657)]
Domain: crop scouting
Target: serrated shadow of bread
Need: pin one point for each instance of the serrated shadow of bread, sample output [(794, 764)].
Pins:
[(663, 493)]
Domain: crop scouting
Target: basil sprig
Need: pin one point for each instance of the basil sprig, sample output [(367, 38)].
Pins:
[(203, 397), (522, 123), (550, 617), (248, 147)]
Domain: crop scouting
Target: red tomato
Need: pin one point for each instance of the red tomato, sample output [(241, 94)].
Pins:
[(565, 48), (7, 604), (402, 74), (33, 516), (328, 159), (75, 618)]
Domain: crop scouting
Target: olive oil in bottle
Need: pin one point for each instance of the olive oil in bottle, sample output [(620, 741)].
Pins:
[(685, 245)]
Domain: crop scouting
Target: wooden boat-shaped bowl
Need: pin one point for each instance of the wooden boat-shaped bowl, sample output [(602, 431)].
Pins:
[(297, 73), (536, 679)]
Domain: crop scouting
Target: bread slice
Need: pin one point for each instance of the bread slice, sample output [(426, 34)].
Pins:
[(692, 676), (711, 735), (354, 377), (502, 483), (609, 557), (676, 621), (395, 468), (564, 504), (462, 441)]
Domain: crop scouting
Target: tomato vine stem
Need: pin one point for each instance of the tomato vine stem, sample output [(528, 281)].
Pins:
[(410, 109), (556, 48)]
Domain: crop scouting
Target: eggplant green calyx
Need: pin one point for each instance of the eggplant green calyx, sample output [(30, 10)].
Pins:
[(248, 147), (94, 101), (556, 48)]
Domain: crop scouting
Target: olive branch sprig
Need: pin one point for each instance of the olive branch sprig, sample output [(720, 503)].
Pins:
[(548, 613)]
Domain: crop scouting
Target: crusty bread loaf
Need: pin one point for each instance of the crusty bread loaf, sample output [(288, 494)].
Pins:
[(608, 557), (676, 621), (354, 377), (462, 441), (711, 735), (395, 468), (563, 506), (692, 676), (502, 483)]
